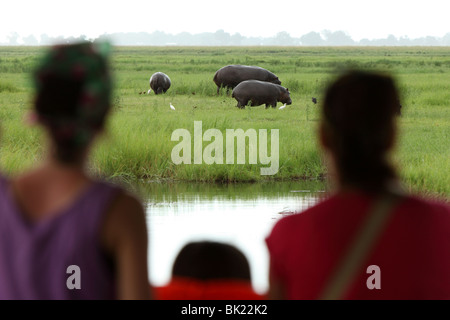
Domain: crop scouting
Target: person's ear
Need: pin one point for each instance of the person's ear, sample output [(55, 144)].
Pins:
[(323, 137)]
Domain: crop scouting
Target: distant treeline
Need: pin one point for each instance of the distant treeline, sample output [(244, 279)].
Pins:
[(222, 38)]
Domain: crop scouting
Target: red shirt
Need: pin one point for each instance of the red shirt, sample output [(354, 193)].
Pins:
[(412, 251), (191, 289)]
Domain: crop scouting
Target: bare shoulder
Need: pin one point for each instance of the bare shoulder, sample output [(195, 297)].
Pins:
[(126, 204), (125, 239), (124, 221)]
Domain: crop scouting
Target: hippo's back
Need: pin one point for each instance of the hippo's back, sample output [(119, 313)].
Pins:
[(256, 86), (159, 82), (232, 75), (160, 77)]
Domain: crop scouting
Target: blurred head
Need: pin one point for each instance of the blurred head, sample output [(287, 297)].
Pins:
[(358, 128), (206, 260), (73, 88)]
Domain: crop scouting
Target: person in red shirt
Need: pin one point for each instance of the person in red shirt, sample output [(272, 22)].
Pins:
[(368, 239), (209, 270)]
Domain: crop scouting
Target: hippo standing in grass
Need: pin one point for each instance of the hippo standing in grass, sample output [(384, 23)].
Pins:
[(160, 82), (260, 92), (230, 76)]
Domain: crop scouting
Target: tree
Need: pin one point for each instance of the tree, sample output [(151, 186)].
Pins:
[(365, 42), (13, 38), (311, 39), (283, 39), (184, 38), (221, 37), (391, 40), (404, 41), (431, 41), (236, 39), (337, 38), (30, 40), (45, 40), (446, 39)]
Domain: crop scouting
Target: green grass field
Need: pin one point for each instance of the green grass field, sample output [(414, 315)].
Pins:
[(137, 143)]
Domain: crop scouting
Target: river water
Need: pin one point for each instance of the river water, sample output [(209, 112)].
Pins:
[(238, 214)]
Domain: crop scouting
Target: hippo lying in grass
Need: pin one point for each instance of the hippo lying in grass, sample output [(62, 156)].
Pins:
[(260, 92), (160, 82), (230, 76)]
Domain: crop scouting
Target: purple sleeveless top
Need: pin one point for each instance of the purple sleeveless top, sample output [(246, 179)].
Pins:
[(34, 258)]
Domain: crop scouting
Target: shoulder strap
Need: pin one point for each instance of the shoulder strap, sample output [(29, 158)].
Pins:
[(361, 246)]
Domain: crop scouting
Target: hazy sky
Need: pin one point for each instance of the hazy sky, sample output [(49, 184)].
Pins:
[(360, 19)]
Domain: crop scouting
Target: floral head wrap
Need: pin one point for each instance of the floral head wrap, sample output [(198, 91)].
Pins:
[(79, 69)]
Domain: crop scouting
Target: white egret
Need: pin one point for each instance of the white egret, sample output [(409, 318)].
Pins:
[(282, 107), (172, 107)]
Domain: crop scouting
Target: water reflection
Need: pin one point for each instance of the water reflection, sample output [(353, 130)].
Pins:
[(239, 214)]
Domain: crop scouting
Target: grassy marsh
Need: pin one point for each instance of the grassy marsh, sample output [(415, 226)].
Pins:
[(137, 143)]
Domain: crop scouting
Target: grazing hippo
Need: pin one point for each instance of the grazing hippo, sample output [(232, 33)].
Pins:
[(160, 82), (260, 92), (230, 76)]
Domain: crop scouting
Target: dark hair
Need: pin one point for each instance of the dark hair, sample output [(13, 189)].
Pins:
[(358, 118), (207, 260), (73, 96), (58, 99)]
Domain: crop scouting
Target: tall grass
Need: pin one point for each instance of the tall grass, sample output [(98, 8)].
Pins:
[(137, 141)]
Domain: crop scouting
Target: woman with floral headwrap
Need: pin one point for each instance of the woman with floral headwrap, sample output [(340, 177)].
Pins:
[(65, 235)]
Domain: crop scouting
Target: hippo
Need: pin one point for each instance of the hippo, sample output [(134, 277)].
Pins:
[(260, 92), (230, 76), (160, 82)]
